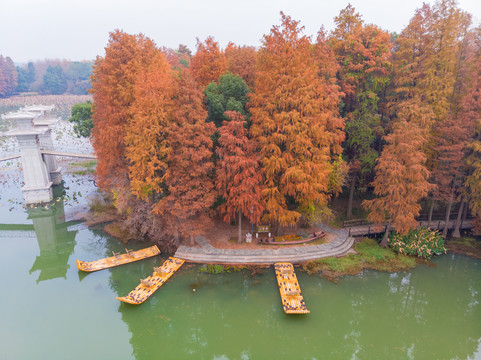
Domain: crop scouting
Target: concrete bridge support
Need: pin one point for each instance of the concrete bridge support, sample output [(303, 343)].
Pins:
[(38, 186), (43, 122), (45, 142)]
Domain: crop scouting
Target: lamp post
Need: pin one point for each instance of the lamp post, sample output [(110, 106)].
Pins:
[(252, 223)]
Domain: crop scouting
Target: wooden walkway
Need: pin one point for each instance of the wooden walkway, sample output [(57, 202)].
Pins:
[(289, 289), (151, 284), (118, 259), (371, 229)]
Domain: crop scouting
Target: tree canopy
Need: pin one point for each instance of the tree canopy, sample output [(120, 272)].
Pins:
[(82, 119), (272, 134)]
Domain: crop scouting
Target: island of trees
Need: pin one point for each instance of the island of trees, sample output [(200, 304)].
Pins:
[(272, 134)]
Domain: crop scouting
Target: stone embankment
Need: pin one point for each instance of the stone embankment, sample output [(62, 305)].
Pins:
[(208, 254)]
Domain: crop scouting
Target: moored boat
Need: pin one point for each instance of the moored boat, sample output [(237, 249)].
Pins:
[(152, 283), (118, 259), (289, 289)]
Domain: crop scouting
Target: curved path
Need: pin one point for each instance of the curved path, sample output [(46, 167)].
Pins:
[(208, 254)]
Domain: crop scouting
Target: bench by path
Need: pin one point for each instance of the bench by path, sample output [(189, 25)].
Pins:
[(208, 254)]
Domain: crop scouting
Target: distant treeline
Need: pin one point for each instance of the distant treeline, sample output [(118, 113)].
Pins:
[(49, 77)]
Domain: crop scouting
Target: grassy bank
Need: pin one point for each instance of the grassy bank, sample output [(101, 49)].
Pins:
[(369, 256)]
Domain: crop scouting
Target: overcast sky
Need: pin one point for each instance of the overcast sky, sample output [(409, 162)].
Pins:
[(63, 29)]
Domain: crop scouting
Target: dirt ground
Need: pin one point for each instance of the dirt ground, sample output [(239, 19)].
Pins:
[(224, 236)]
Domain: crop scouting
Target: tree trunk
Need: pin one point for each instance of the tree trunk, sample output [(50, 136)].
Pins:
[(239, 237), (192, 242), (430, 216), (176, 239), (466, 209), (280, 230), (384, 242), (448, 213), (456, 232), (351, 198)]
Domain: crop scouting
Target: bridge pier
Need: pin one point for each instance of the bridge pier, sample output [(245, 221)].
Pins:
[(43, 123), (53, 169)]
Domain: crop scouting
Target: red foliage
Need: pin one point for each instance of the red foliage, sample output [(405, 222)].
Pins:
[(238, 173), (241, 60), (146, 136), (209, 62), (113, 81), (401, 179), (295, 124), (190, 189), (8, 77)]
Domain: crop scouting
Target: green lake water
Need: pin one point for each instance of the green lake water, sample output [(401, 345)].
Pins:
[(50, 310)]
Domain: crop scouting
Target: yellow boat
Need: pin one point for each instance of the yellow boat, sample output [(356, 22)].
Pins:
[(150, 285), (118, 259), (292, 300)]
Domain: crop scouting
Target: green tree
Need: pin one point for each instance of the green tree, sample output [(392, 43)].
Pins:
[(31, 72), (78, 77), (23, 84), (82, 119), (54, 81), (229, 94), (363, 53)]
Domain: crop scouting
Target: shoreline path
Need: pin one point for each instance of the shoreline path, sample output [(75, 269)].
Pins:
[(206, 253)]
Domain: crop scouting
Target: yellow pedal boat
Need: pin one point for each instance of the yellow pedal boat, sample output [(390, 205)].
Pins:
[(289, 289), (118, 259), (149, 285)]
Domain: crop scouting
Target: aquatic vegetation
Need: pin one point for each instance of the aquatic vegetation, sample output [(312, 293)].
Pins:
[(421, 242), (219, 269)]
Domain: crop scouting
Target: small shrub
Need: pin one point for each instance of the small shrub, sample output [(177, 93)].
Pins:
[(219, 269), (421, 242), (212, 269)]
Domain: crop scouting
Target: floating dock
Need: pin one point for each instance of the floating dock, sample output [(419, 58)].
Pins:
[(150, 285), (118, 259), (289, 288)]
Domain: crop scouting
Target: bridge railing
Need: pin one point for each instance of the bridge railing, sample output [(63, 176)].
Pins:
[(67, 149), (355, 222), (371, 229)]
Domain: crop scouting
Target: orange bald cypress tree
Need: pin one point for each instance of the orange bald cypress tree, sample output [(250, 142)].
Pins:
[(146, 139), (427, 62), (401, 180), (209, 62), (190, 189), (238, 174), (241, 61), (468, 117), (113, 82), (291, 125)]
